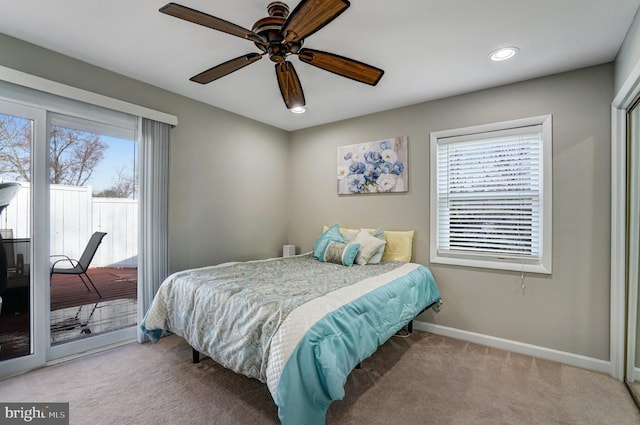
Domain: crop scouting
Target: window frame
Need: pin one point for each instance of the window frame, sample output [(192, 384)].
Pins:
[(542, 264)]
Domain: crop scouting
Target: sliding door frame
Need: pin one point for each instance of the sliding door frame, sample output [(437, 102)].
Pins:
[(39, 225), (619, 345), (40, 219)]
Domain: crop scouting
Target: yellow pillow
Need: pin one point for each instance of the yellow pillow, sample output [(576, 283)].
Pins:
[(399, 246)]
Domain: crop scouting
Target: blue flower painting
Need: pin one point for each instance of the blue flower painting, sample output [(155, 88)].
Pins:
[(373, 167)]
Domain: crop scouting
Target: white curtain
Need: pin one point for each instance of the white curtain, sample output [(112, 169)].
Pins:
[(153, 262)]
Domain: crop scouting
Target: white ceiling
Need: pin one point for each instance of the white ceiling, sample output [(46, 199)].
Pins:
[(428, 49)]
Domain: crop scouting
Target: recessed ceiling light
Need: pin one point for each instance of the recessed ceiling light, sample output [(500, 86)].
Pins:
[(503, 54), (298, 109)]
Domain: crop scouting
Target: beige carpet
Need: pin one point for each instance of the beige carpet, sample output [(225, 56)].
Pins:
[(423, 379)]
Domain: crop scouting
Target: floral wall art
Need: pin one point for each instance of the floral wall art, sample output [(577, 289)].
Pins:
[(373, 167)]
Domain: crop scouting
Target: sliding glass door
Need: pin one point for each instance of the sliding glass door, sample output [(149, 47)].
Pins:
[(23, 336), (63, 179), (66, 197), (93, 212)]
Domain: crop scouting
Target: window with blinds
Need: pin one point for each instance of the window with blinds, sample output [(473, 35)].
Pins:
[(491, 196)]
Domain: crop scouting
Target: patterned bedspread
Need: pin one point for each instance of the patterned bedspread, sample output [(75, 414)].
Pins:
[(251, 316)]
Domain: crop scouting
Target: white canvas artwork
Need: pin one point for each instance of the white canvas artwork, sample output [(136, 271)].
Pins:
[(373, 167)]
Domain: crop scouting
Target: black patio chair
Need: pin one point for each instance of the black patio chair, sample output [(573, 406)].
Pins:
[(79, 267)]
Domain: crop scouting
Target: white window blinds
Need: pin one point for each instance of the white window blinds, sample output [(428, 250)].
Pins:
[(490, 196)]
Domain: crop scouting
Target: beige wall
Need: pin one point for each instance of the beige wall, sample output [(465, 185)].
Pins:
[(568, 310), (228, 174)]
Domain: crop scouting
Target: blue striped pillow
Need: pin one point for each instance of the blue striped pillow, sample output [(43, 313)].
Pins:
[(341, 253)]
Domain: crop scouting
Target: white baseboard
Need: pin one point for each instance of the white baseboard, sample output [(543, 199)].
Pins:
[(576, 360), (636, 374)]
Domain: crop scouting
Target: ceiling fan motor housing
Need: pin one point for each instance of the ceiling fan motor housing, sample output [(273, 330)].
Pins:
[(278, 8), (270, 27)]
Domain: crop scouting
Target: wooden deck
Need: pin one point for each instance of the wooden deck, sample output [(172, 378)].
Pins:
[(75, 312), (68, 290)]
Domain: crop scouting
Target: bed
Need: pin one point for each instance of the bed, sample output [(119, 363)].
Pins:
[(300, 324)]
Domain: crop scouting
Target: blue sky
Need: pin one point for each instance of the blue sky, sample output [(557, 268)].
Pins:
[(121, 153)]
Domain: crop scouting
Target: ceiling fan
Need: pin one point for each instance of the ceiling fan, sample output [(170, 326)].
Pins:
[(280, 35)]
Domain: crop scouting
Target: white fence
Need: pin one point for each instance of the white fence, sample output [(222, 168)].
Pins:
[(74, 215)]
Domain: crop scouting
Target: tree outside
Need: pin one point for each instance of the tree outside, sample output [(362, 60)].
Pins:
[(74, 157)]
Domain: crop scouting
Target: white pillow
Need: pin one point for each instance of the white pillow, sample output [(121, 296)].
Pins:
[(369, 245)]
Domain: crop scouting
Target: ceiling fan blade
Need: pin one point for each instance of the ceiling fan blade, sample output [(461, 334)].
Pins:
[(197, 17), (340, 65), (309, 16), (226, 68), (289, 83)]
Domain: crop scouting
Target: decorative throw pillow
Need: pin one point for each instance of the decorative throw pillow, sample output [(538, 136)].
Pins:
[(348, 236), (399, 246), (341, 253), (369, 245), (332, 234), (377, 256)]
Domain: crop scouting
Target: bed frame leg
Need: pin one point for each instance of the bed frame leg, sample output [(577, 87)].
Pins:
[(196, 355), (410, 326)]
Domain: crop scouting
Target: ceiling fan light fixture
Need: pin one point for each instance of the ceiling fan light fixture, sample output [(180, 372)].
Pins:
[(503, 53), (298, 109)]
